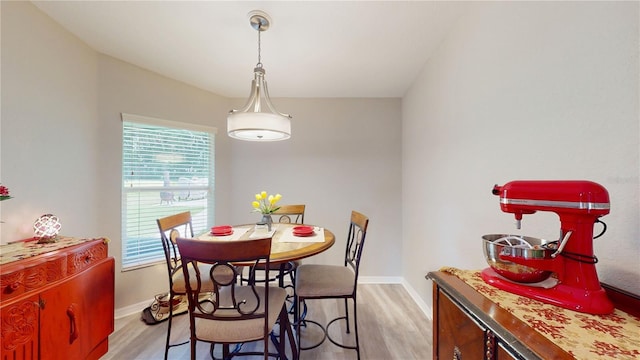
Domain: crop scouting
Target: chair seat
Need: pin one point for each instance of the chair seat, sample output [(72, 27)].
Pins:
[(237, 331), (324, 280), (178, 280)]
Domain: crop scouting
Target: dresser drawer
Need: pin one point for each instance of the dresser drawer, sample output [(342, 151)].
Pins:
[(12, 283), (36, 272), (85, 256)]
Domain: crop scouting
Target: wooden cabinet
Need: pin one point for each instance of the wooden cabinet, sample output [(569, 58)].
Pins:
[(468, 325), (58, 304)]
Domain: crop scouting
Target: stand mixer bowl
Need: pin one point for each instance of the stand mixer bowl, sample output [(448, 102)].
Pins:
[(519, 246)]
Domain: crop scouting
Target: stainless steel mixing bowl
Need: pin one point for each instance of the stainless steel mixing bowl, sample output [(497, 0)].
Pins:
[(518, 246)]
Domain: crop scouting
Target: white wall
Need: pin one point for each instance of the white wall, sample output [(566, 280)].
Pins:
[(49, 125), (62, 101), (344, 154), (522, 90)]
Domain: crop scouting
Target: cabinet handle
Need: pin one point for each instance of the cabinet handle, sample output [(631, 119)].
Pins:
[(457, 355), (73, 327), (489, 345)]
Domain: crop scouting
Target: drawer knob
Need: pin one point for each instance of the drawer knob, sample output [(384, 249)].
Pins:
[(12, 287), (457, 355)]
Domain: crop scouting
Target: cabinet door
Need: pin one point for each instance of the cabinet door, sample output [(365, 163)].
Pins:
[(459, 337), (19, 328), (77, 315)]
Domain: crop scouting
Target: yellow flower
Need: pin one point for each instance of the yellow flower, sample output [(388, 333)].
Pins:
[(265, 203)]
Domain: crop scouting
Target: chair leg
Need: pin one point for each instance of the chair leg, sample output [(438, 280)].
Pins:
[(265, 341), (282, 320), (167, 346), (346, 311), (286, 326), (280, 275), (296, 322), (355, 324)]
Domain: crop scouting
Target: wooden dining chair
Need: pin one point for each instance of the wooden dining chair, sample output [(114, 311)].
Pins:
[(233, 313), (172, 227), (290, 214), (314, 282)]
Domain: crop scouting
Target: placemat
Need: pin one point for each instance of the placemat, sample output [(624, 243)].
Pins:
[(238, 232), (585, 336), (287, 236)]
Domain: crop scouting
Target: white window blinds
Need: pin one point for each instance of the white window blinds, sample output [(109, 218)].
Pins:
[(167, 168)]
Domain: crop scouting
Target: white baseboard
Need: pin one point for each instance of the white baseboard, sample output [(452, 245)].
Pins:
[(380, 280), (416, 298), (132, 309), (137, 308)]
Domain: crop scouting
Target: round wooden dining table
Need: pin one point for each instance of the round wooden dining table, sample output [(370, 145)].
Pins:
[(285, 247)]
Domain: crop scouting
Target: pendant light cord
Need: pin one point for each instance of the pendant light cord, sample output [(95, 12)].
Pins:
[(259, 64)]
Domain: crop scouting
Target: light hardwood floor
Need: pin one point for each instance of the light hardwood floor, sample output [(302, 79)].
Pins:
[(390, 323)]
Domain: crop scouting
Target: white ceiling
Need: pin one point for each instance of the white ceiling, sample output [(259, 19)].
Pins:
[(312, 49)]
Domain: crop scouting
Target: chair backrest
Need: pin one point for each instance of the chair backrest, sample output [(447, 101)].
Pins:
[(172, 227), (229, 300), (291, 214), (355, 240)]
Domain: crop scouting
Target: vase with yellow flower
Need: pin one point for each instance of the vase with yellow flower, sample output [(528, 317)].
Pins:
[(266, 205)]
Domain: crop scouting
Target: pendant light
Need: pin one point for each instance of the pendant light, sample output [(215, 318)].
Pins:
[(258, 120)]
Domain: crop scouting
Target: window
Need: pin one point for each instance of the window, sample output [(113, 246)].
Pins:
[(167, 168)]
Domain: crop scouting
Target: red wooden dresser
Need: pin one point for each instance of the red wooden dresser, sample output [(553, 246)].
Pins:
[(56, 300)]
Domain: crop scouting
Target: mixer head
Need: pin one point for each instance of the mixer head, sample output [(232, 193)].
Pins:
[(564, 197)]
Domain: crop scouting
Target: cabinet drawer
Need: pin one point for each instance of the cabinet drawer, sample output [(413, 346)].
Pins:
[(12, 284), (37, 272), (459, 337), (22, 279), (85, 256)]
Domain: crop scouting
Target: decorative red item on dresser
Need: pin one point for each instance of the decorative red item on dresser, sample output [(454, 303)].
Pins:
[(57, 299)]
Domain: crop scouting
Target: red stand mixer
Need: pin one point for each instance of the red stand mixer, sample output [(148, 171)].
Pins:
[(575, 284)]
